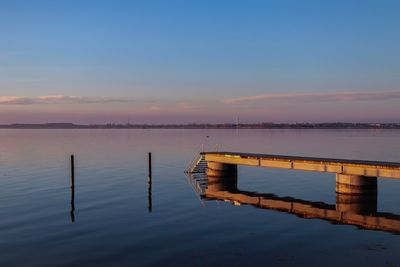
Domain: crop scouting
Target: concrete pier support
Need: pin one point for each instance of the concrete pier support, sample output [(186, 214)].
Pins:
[(356, 185), (222, 177), (221, 169)]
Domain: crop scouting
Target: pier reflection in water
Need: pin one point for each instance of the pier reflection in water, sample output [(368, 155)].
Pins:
[(358, 210)]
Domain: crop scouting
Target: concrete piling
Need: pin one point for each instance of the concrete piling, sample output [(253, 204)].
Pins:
[(356, 184), (221, 177), (221, 169)]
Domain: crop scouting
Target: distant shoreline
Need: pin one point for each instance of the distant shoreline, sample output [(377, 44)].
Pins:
[(338, 125)]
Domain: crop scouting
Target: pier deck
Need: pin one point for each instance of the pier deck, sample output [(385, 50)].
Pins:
[(339, 166)]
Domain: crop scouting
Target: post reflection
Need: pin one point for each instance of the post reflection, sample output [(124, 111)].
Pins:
[(358, 210), (149, 196), (149, 182), (72, 210), (72, 186)]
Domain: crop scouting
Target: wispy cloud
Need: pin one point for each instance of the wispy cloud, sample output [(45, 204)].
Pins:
[(307, 97), (59, 99), (186, 105)]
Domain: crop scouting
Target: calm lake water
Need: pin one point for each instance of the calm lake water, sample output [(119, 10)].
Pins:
[(112, 223)]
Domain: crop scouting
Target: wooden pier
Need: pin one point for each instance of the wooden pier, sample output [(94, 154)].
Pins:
[(355, 177), (340, 166), (356, 187)]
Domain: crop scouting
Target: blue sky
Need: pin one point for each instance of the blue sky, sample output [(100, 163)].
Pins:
[(179, 61)]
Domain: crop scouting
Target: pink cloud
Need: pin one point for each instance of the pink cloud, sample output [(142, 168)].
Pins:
[(58, 99), (305, 97)]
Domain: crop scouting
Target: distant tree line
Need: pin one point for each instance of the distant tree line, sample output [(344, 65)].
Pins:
[(263, 125)]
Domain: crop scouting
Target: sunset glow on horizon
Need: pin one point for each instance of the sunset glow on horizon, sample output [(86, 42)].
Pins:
[(199, 61)]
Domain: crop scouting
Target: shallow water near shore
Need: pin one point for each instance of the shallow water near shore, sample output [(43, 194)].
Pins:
[(111, 222)]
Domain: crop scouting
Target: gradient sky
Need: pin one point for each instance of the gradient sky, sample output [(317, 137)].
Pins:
[(157, 61)]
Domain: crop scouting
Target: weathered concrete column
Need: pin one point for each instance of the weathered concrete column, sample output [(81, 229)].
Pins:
[(222, 177), (221, 169), (359, 204), (356, 185)]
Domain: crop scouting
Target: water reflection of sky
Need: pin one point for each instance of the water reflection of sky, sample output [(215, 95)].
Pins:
[(112, 222)]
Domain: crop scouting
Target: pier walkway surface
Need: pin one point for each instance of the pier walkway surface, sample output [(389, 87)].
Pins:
[(338, 166)]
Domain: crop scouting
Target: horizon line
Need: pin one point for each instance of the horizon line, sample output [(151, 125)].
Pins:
[(199, 123)]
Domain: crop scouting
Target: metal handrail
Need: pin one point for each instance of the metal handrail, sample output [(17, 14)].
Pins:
[(196, 158), (194, 161)]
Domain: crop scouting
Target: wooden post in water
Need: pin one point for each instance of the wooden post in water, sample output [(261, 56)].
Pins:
[(72, 171), (150, 205), (72, 189), (150, 165)]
